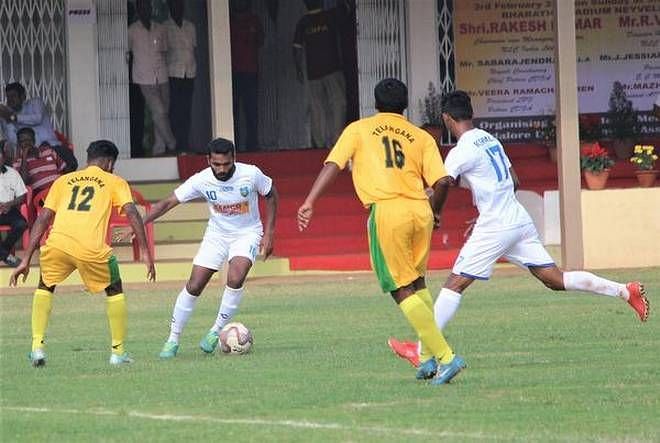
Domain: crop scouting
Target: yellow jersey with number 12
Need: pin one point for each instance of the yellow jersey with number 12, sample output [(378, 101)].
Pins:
[(83, 202), (392, 158)]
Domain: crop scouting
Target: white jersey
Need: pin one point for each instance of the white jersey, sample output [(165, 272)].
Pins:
[(233, 204), (479, 159)]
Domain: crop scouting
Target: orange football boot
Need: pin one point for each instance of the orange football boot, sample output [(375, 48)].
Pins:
[(638, 299), (406, 350)]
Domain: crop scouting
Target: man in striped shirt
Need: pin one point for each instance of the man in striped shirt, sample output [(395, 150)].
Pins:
[(39, 166)]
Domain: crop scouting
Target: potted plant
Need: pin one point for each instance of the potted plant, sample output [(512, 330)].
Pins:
[(644, 158), (623, 122), (431, 111), (595, 164)]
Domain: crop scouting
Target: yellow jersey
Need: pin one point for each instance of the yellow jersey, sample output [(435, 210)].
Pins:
[(83, 202), (391, 157)]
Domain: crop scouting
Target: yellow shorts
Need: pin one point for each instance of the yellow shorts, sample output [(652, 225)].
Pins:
[(399, 241), (57, 265)]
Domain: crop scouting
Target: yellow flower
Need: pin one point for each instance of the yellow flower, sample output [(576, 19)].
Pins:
[(638, 149), (639, 160), (655, 157)]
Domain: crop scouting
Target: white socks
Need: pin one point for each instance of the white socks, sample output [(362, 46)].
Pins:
[(185, 303), (231, 299), (588, 282), (445, 307)]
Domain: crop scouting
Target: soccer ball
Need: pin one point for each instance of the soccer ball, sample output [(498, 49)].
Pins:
[(235, 338)]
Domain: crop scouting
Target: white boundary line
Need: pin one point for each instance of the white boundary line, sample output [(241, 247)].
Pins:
[(261, 422)]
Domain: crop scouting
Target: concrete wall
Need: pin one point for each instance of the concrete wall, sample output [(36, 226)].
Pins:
[(621, 228)]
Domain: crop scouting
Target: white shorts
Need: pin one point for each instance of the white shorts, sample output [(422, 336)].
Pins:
[(521, 246), (215, 249)]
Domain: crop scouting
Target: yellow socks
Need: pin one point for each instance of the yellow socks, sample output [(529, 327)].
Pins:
[(421, 318), (424, 353), (42, 304), (117, 317)]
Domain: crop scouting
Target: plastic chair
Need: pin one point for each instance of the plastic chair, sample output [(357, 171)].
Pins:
[(120, 220), (35, 208), (25, 212), (64, 141)]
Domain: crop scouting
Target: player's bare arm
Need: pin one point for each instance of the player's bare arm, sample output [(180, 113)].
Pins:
[(439, 196), (325, 178), (514, 177), (135, 219), (44, 219), (266, 246), (161, 207)]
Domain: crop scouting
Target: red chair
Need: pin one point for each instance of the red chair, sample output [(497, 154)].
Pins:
[(35, 208), (64, 141), (120, 220), (25, 212)]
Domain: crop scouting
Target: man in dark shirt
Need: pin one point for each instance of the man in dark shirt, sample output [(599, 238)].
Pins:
[(247, 36), (318, 35)]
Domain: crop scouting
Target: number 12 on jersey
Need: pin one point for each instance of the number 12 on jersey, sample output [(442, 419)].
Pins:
[(497, 160)]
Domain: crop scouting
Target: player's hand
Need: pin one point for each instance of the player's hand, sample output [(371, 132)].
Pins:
[(266, 246), (151, 268), (304, 216), (123, 235), (437, 222), (23, 268), (468, 231)]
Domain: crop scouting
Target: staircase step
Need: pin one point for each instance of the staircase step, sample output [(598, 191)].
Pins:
[(164, 251), (179, 231), (361, 261), (154, 191)]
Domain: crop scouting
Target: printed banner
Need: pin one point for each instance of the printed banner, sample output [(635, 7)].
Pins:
[(505, 58)]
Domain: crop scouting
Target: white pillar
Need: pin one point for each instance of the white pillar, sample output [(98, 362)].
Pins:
[(220, 65), (568, 160), (422, 54), (83, 76)]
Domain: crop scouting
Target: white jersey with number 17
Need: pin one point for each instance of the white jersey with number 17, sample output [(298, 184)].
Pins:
[(479, 159), (233, 204)]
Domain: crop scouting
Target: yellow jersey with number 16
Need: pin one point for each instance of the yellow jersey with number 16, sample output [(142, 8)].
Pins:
[(392, 158), (83, 202)]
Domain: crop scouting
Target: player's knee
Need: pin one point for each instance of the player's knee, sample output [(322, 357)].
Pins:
[(194, 288), (236, 281), (554, 285), (114, 288)]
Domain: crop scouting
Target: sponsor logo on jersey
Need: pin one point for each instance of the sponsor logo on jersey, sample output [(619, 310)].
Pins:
[(226, 188), (239, 208), (245, 191)]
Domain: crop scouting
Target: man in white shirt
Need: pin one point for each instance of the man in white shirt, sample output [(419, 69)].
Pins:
[(147, 41), (12, 196), (503, 228), (21, 113), (234, 234), (182, 69)]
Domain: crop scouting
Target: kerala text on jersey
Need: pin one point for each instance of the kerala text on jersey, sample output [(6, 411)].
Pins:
[(84, 178), (398, 131), (483, 140)]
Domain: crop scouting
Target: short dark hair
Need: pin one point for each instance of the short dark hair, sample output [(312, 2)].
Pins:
[(15, 86), (458, 105), (221, 146), (391, 95), (102, 149), (26, 130)]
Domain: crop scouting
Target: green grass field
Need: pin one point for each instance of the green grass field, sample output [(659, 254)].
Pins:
[(542, 367)]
